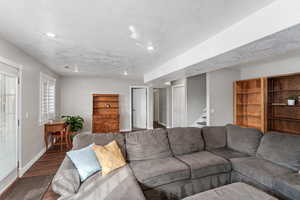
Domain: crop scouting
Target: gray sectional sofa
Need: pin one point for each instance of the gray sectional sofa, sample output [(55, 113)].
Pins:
[(179, 162)]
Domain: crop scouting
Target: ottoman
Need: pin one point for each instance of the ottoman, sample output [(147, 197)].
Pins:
[(235, 191)]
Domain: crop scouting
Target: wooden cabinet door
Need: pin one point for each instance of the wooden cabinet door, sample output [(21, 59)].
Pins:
[(105, 113)]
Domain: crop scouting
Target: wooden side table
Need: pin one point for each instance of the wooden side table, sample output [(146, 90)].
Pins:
[(53, 127)]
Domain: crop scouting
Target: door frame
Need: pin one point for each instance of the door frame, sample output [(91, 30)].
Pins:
[(147, 105), (157, 91), (19, 117), (185, 106)]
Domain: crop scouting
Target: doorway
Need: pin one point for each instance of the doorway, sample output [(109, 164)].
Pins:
[(9, 111), (139, 109), (178, 106)]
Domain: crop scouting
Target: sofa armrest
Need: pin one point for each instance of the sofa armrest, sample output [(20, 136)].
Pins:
[(66, 182), (288, 186)]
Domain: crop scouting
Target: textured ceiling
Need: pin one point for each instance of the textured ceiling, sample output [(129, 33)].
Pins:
[(94, 35), (277, 46)]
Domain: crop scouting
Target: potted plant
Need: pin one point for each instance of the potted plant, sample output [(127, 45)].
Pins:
[(75, 123), (292, 100)]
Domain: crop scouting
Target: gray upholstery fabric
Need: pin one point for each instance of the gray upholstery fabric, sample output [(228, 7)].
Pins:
[(205, 163), (85, 139), (153, 173), (245, 140), (66, 181), (282, 149), (119, 184), (214, 137), (235, 191), (260, 170), (288, 186), (150, 144), (185, 140), (228, 153), (238, 177), (181, 189)]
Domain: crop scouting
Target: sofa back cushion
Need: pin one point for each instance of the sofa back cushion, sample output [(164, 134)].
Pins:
[(214, 137), (85, 139), (281, 148), (245, 140), (185, 140), (145, 145)]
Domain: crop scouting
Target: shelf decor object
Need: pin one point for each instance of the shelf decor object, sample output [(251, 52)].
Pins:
[(106, 113), (249, 103), (283, 103)]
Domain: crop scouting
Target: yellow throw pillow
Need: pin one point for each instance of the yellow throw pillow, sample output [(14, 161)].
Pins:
[(109, 156)]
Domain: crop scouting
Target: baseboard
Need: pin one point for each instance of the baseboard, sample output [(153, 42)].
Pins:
[(163, 124), (24, 169), (125, 130)]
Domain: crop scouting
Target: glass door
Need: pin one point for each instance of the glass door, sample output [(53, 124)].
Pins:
[(8, 124)]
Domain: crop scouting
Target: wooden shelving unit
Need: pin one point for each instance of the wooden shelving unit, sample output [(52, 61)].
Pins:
[(282, 117), (249, 103), (105, 113)]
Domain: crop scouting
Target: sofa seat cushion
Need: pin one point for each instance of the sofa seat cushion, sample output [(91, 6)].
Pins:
[(282, 149), (245, 140), (288, 185), (214, 137), (185, 140), (204, 164), (156, 172), (260, 170), (146, 145), (228, 153)]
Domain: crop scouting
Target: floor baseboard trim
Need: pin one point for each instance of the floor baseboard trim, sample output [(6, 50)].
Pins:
[(163, 124), (125, 130), (24, 169)]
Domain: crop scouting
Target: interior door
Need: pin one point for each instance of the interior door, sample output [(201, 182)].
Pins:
[(8, 122), (139, 108), (178, 106)]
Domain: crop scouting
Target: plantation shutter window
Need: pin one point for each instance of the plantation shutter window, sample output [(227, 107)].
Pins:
[(47, 98)]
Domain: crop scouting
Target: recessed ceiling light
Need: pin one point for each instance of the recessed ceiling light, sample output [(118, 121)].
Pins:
[(76, 69), (125, 73), (51, 35), (150, 47), (132, 28), (168, 83), (134, 34)]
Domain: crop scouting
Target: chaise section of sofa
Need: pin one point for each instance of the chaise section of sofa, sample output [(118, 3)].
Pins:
[(112, 186)]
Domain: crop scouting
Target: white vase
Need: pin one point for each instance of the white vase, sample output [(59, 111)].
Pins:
[(291, 102)]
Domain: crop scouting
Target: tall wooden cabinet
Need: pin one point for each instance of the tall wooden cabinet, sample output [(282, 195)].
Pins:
[(262, 103), (281, 116), (106, 113), (249, 103)]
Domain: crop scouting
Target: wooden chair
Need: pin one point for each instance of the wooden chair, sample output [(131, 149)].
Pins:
[(61, 138)]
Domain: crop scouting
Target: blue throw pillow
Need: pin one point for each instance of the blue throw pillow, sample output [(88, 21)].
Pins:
[(85, 161)]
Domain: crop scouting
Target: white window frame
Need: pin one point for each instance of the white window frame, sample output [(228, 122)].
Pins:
[(44, 77)]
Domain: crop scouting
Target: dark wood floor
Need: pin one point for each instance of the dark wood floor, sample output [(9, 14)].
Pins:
[(48, 164)]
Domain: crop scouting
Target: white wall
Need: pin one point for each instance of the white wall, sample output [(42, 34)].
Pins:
[(76, 97), (196, 98), (281, 66), (32, 135), (163, 106), (220, 96)]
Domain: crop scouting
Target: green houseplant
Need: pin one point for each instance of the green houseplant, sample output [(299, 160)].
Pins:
[(75, 123)]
